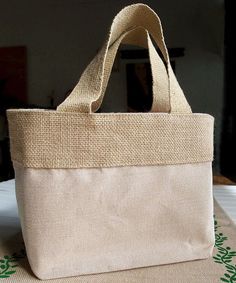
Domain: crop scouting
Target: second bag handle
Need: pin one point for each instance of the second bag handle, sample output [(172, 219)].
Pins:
[(140, 37), (86, 95)]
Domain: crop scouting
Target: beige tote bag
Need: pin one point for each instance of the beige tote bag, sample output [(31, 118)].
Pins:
[(104, 192)]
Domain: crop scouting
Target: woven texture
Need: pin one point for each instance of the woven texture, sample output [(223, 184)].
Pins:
[(86, 96), (48, 139)]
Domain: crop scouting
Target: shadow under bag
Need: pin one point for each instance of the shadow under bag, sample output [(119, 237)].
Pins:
[(115, 191)]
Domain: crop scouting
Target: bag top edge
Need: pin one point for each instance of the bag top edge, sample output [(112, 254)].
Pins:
[(47, 111)]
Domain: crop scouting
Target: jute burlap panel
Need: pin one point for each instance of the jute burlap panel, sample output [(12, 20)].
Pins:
[(52, 139)]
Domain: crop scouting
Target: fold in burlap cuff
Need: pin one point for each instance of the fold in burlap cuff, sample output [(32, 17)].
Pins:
[(53, 139)]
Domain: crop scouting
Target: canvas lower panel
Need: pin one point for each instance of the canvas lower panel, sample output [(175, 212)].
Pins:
[(82, 221)]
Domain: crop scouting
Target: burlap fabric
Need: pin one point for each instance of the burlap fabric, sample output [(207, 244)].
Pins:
[(51, 139)]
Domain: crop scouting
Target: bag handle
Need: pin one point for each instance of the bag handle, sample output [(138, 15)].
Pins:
[(136, 36), (86, 95), (140, 37)]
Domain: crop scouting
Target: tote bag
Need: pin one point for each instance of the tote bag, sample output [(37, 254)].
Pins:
[(100, 192)]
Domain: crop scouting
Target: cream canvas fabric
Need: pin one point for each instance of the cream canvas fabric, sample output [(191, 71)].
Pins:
[(209, 270), (115, 191), (108, 219)]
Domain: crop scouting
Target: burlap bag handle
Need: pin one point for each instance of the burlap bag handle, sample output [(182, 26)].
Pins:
[(86, 96), (140, 37)]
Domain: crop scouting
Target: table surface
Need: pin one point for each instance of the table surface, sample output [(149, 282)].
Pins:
[(10, 224)]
